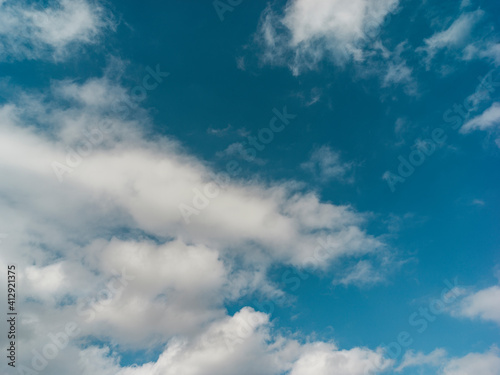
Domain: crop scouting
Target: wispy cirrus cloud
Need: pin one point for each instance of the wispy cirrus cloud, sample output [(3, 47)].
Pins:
[(455, 36), (411, 359), (362, 274), (28, 31), (326, 165), (487, 363), (485, 50), (488, 120), (306, 32)]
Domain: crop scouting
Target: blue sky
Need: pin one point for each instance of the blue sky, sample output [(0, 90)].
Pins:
[(231, 187)]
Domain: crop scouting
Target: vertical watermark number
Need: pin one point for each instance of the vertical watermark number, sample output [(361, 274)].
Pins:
[(11, 314)]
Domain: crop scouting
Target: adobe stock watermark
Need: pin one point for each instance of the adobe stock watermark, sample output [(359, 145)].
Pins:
[(223, 6), (421, 151), (94, 137), (88, 308), (211, 190), (456, 116), (420, 321)]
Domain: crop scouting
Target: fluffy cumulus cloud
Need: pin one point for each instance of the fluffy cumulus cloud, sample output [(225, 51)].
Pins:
[(164, 191), (474, 363), (29, 32), (323, 359), (242, 344), (484, 304), (308, 31), (96, 211)]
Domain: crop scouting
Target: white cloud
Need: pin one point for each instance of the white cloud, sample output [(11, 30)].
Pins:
[(75, 240), (395, 71), (401, 126), (465, 4), (484, 304), (175, 288), (474, 363), (326, 165), (361, 274), (373, 269), (491, 51), (237, 150), (390, 66), (478, 202), (489, 119), (455, 36), (46, 280), (306, 33), (132, 175), (411, 359), (483, 91), (244, 344), (398, 73), (324, 359), (310, 30), (483, 50), (28, 32), (219, 132)]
